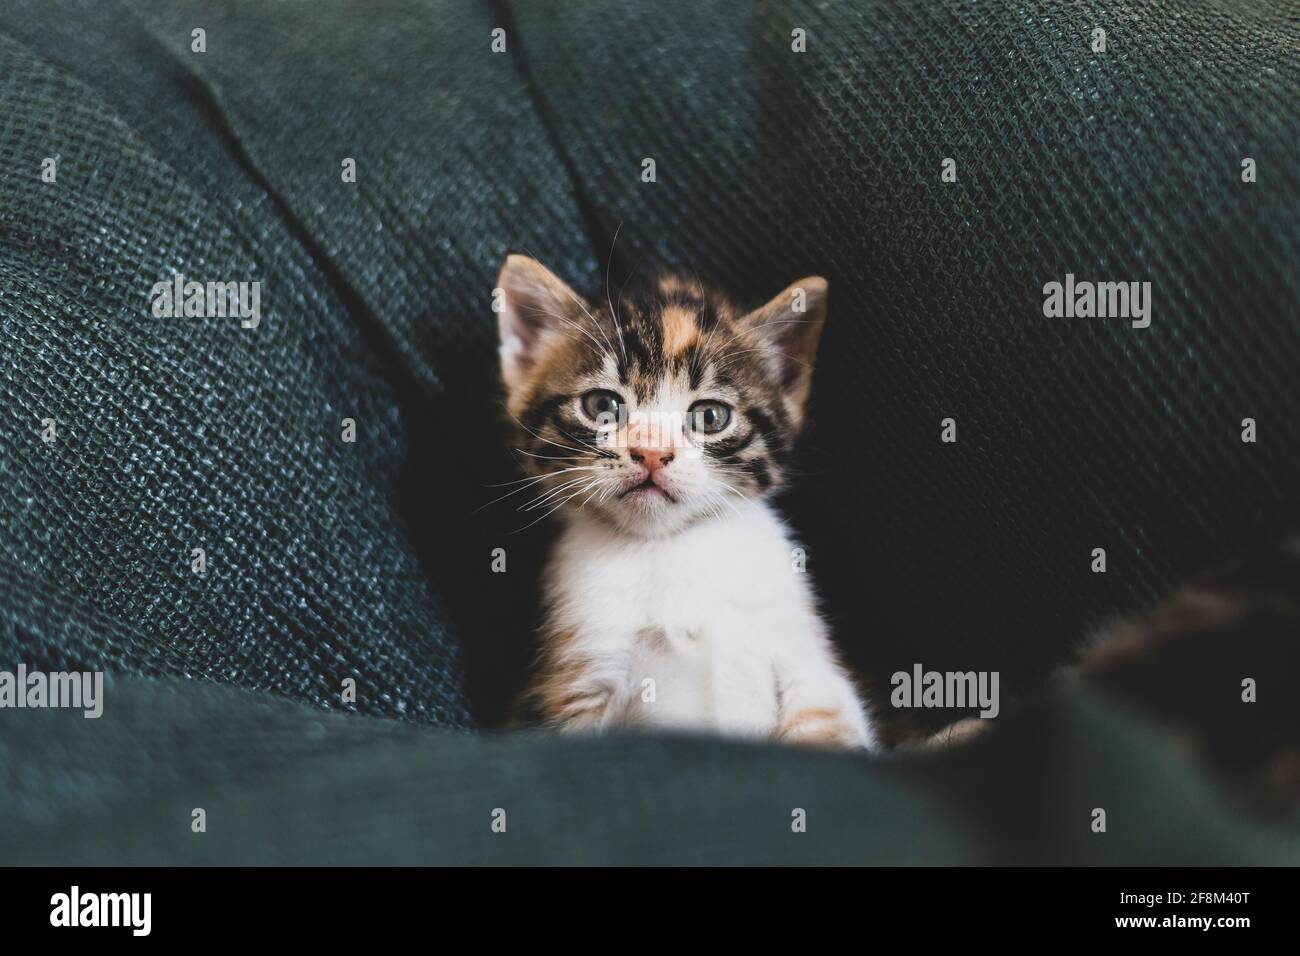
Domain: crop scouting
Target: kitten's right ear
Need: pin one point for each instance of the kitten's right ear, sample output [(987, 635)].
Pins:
[(535, 305)]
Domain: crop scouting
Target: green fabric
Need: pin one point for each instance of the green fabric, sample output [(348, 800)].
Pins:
[(183, 433), (284, 783)]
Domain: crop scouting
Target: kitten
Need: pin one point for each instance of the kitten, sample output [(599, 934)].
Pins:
[(655, 426)]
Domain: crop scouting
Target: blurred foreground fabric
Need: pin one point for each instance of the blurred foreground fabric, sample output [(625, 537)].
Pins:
[(371, 560), (283, 783)]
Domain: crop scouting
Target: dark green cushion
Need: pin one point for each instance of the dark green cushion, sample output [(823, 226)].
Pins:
[(185, 433), (282, 783)]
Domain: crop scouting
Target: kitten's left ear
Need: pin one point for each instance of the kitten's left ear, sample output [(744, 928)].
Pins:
[(787, 329)]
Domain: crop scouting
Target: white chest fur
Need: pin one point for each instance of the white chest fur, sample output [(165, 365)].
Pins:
[(713, 628)]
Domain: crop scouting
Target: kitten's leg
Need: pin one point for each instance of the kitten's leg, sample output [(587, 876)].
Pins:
[(568, 697), (573, 688), (821, 708)]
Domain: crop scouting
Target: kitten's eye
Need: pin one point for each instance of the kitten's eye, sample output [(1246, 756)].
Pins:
[(601, 405), (710, 417)]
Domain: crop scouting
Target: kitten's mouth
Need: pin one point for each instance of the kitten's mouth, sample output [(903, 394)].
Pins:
[(647, 490)]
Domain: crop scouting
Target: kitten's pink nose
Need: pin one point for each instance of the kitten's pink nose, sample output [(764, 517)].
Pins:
[(652, 458)]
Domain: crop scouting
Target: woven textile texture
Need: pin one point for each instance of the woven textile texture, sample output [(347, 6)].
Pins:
[(1072, 433), (370, 559), (175, 434)]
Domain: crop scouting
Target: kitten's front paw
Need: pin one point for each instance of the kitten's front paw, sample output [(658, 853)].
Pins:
[(824, 727), (577, 710)]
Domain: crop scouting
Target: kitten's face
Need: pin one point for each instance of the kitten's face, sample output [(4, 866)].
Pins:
[(657, 410)]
